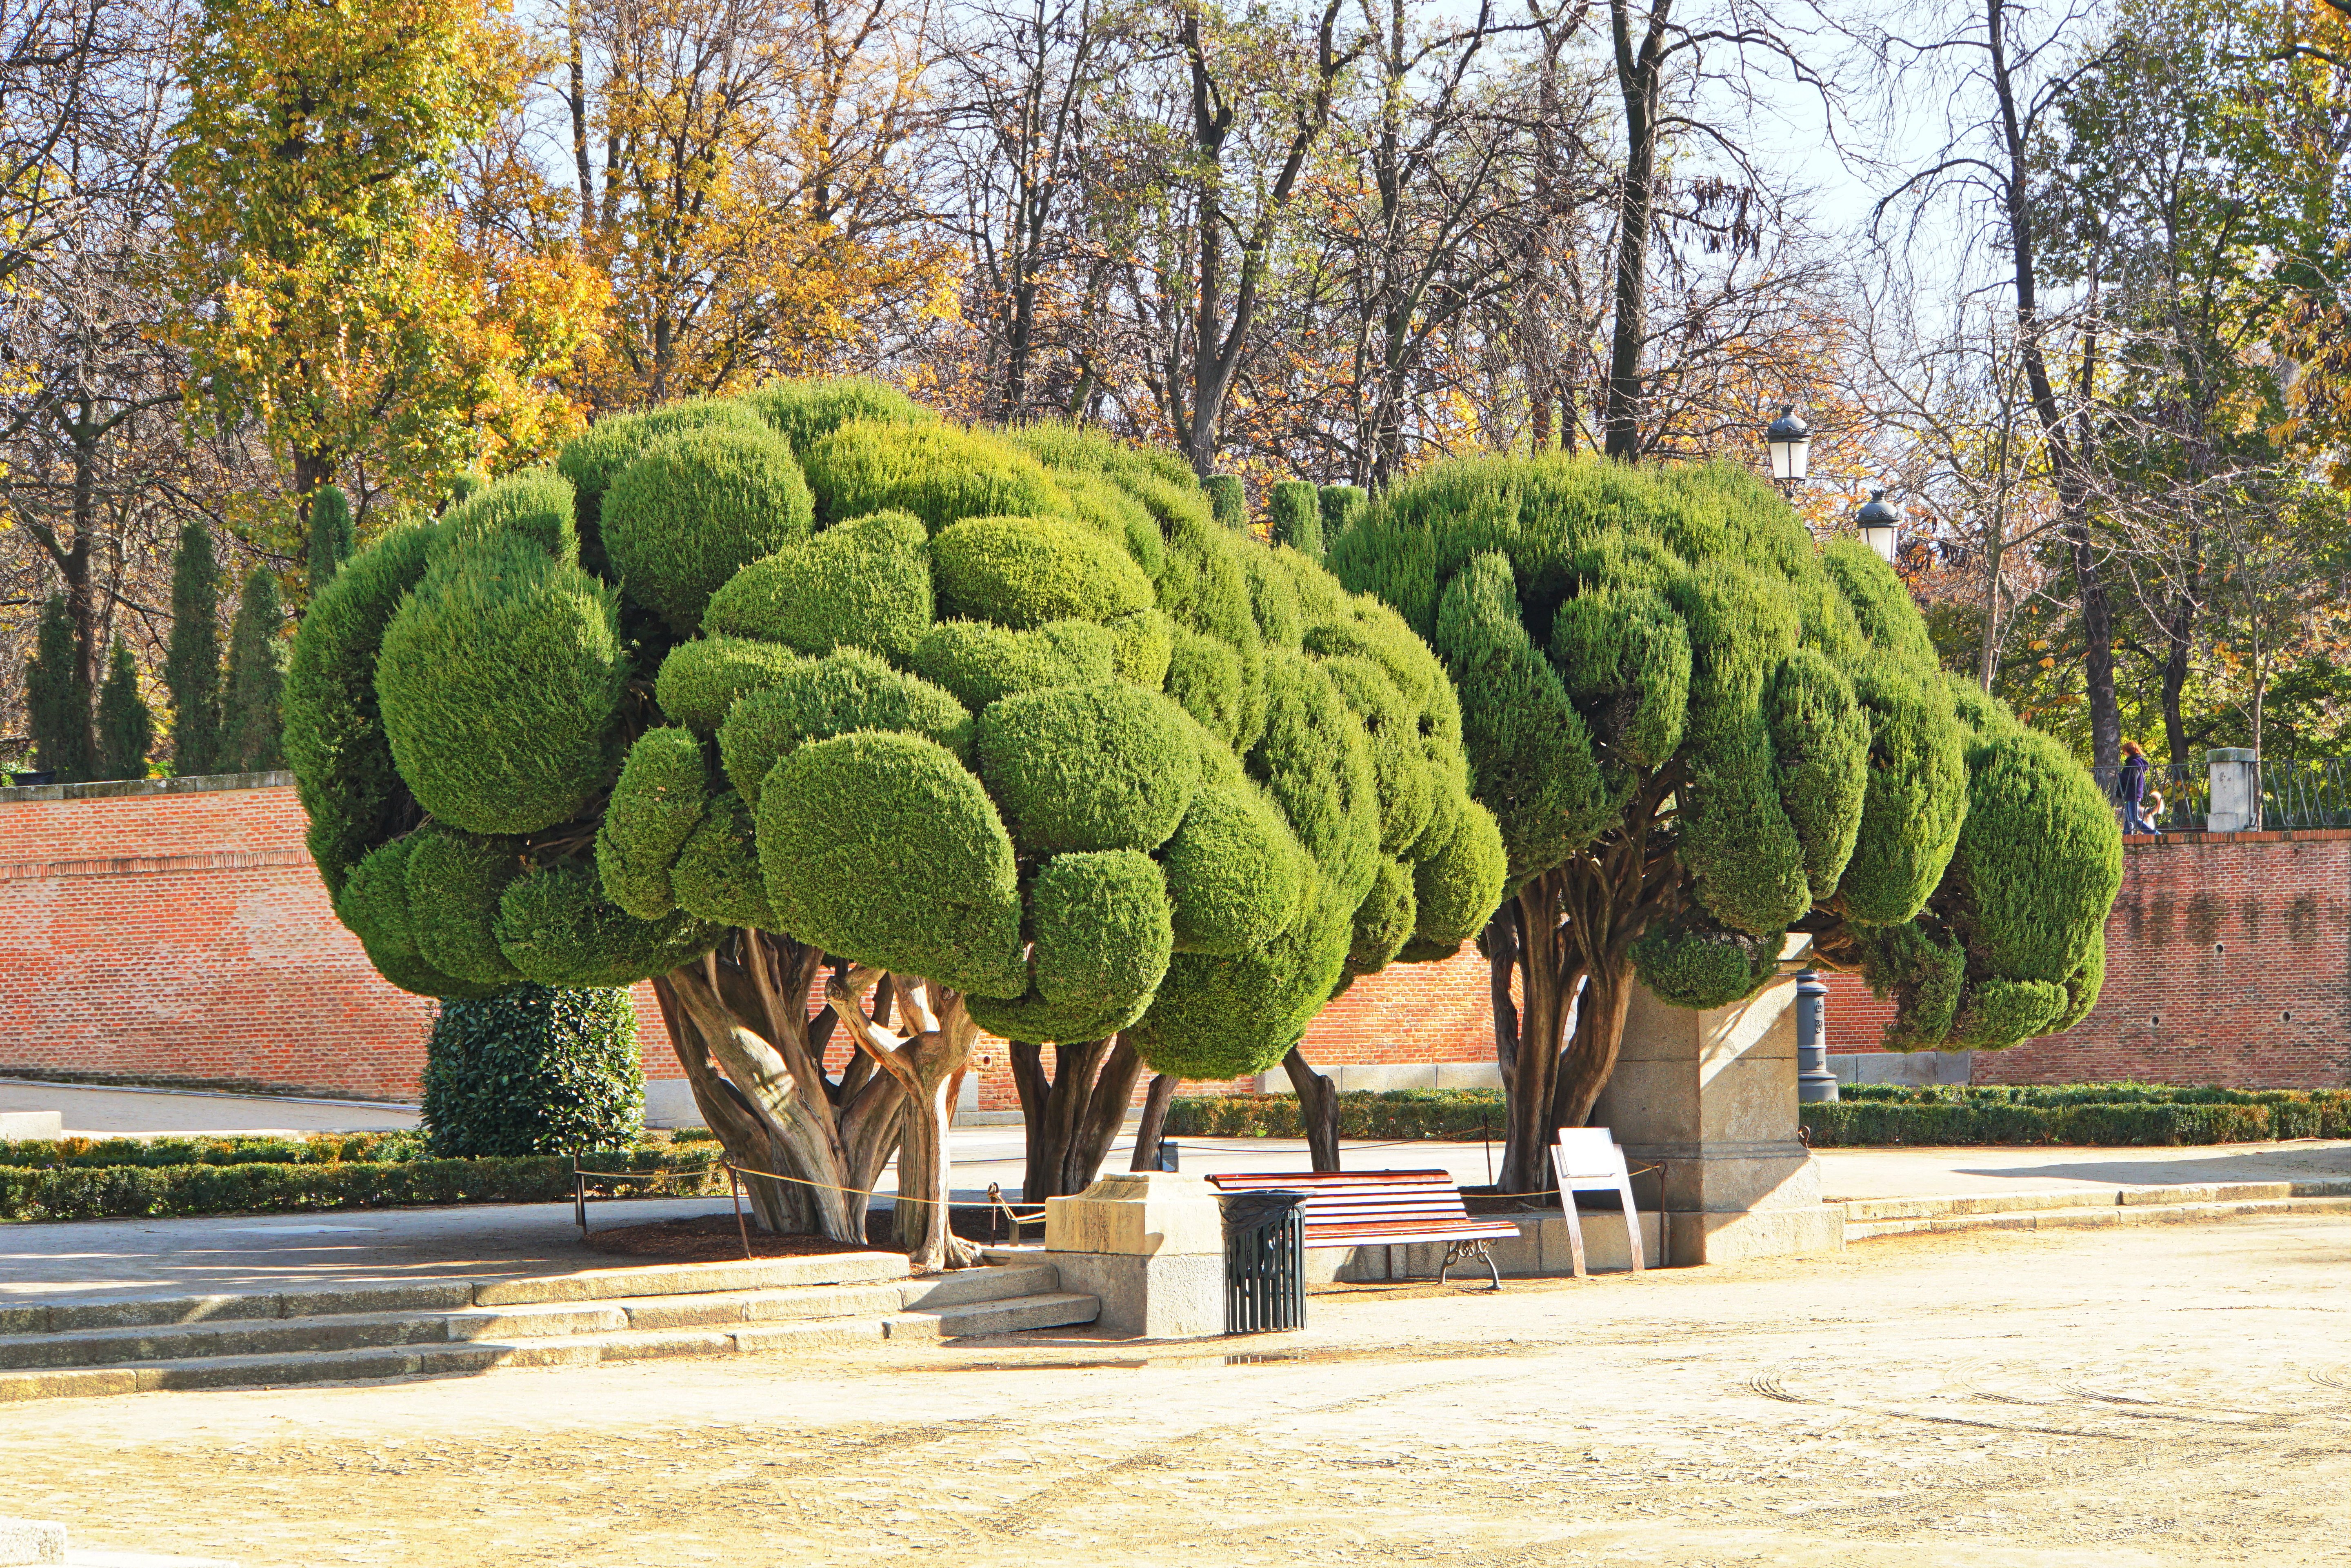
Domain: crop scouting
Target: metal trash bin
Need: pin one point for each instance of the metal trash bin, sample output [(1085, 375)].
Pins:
[(1265, 1261)]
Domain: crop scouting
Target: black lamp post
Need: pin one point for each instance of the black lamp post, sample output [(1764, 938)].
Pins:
[(1881, 525), (1789, 440)]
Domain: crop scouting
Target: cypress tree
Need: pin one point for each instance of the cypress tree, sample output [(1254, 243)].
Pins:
[(1294, 516), (332, 539), (192, 663), (56, 698), (125, 728), (256, 671), (1229, 499)]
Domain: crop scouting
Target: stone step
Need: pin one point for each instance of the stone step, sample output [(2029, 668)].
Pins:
[(23, 1317), (2088, 1217), (1877, 1208), (955, 1320), (548, 1320)]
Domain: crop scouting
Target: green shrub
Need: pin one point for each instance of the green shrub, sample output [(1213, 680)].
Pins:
[(374, 904), (537, 504), (1339, 505), (1293, 517), (125, 728), (701, 680), (935, 471), (454, 882), (332, 540), (805, 411), (591, 461), (1698, 965), (1228, 500), (555, 926), (825, 697), (1384, 920), (192, 670), (660, 798), (1101, 942), (1025, 571), (334, 737), (980, 663), (1146, 642), (1849, 1123), (1460, 867), (234, 1149), (500, 680), (252, 716), (1313, 759), (840, 819), (717, 875), (1456, 1114), (861, 584), (533, 1071), (1235, 873), (698, 508), (1085, 767)]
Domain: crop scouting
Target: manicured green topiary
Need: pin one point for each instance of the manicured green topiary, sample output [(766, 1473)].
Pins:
[(374, 902), (500, 680), (454, 882), (698, 508), (1294, 517), (1234, 872), (556, 925), (537, 504), (825, 697), (1697, 731), (1384, 920), (593, 460), (1339, 505), (661, 796), (716, 875), (333, 539), (805, 411), (863, 584), (980, 662), (192, 664), (839, 818), (1085, 767), (701, 681), (1102, 943), (936, 472), (533, 1071), (1228, 500), (1025, 571)]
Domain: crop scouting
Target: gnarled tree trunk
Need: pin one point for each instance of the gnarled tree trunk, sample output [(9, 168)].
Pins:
[(1318, 1110), (1151, 1130), (1073, 1112)]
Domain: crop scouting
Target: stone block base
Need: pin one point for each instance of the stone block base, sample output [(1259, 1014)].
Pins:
[(1171, 1296), (1541, 1251), (1701, 1238), (1910, 1067), (17, 1124)]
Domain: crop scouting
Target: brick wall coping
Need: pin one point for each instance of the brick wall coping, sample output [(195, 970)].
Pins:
[(203, 783), (2190, 841)]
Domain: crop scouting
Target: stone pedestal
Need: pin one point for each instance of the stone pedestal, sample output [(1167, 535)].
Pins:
[(1149, 1246), (1711, 1097)]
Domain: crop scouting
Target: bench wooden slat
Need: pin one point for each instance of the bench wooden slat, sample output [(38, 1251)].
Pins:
[(1393, 1209)]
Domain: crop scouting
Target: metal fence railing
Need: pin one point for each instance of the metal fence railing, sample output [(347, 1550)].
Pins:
[(2294, 793)]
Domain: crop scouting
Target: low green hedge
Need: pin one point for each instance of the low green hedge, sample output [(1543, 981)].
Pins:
[(69, 1191), (1860, 1122), (2060, 1094), (1362, 1113), (327, 1148)]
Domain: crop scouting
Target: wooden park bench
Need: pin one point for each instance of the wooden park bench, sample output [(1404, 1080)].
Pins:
[(1383, 1209)]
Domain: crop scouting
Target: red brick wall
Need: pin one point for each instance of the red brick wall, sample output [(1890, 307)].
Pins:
[(2228, 961), (185, 934)]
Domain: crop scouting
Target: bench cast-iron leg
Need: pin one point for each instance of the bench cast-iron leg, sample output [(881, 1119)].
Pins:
[(1481, 1250)]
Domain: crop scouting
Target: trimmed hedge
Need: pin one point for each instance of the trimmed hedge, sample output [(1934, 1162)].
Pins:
[(533, 1071), (1362, 1113), (1878, 1123), (102, 1192)]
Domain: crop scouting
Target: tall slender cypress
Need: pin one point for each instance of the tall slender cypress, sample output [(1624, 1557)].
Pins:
[(332, 539), (256, 674), (125, 728), (56, 698), (191, 665)]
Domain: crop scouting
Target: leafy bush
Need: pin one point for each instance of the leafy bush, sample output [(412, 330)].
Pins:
[(696, 509), (533, 1071), (1293, 516), (1362, 1113)]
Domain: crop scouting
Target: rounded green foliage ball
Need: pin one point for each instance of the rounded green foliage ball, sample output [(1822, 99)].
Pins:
[(980, 663), (1293, 516), (539, 504), (454, 882), (1235, 873), (374, 905), (1028, 571), (806, 412), (696, 509), (592, 460), (1101, 941), (1219, 1017), (717, 873), (825, 697), (1702, 966), (1104, 767), (1229, 499), (1384, 920), (702, 680), (500, 682), (556, 925), (1314, 760), (659, 799), (1457, 880), (937, 472), (1205, 678), (533, 1071), (883, 847), (862, 584)]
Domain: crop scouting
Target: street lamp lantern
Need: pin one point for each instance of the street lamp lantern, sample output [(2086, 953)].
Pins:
[(1881, 525), (1789, 440)]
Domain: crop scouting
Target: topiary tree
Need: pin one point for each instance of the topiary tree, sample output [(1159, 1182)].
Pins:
[(1228, 500), (250, 718), (534, 1069), (192, 663), (1294, 517), (1340, 504), (1700, 733), (957, 731), (125, 728), (332, 538), (57, 698)]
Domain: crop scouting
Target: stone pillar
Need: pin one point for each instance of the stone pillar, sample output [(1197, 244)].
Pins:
[(1711, 1097), (2236, 781), (1149, 1246)]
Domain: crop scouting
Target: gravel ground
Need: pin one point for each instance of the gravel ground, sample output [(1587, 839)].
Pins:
[(2164, 1395)]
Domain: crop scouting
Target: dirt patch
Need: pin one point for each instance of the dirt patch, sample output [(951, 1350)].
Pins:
[(708, 1238)]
